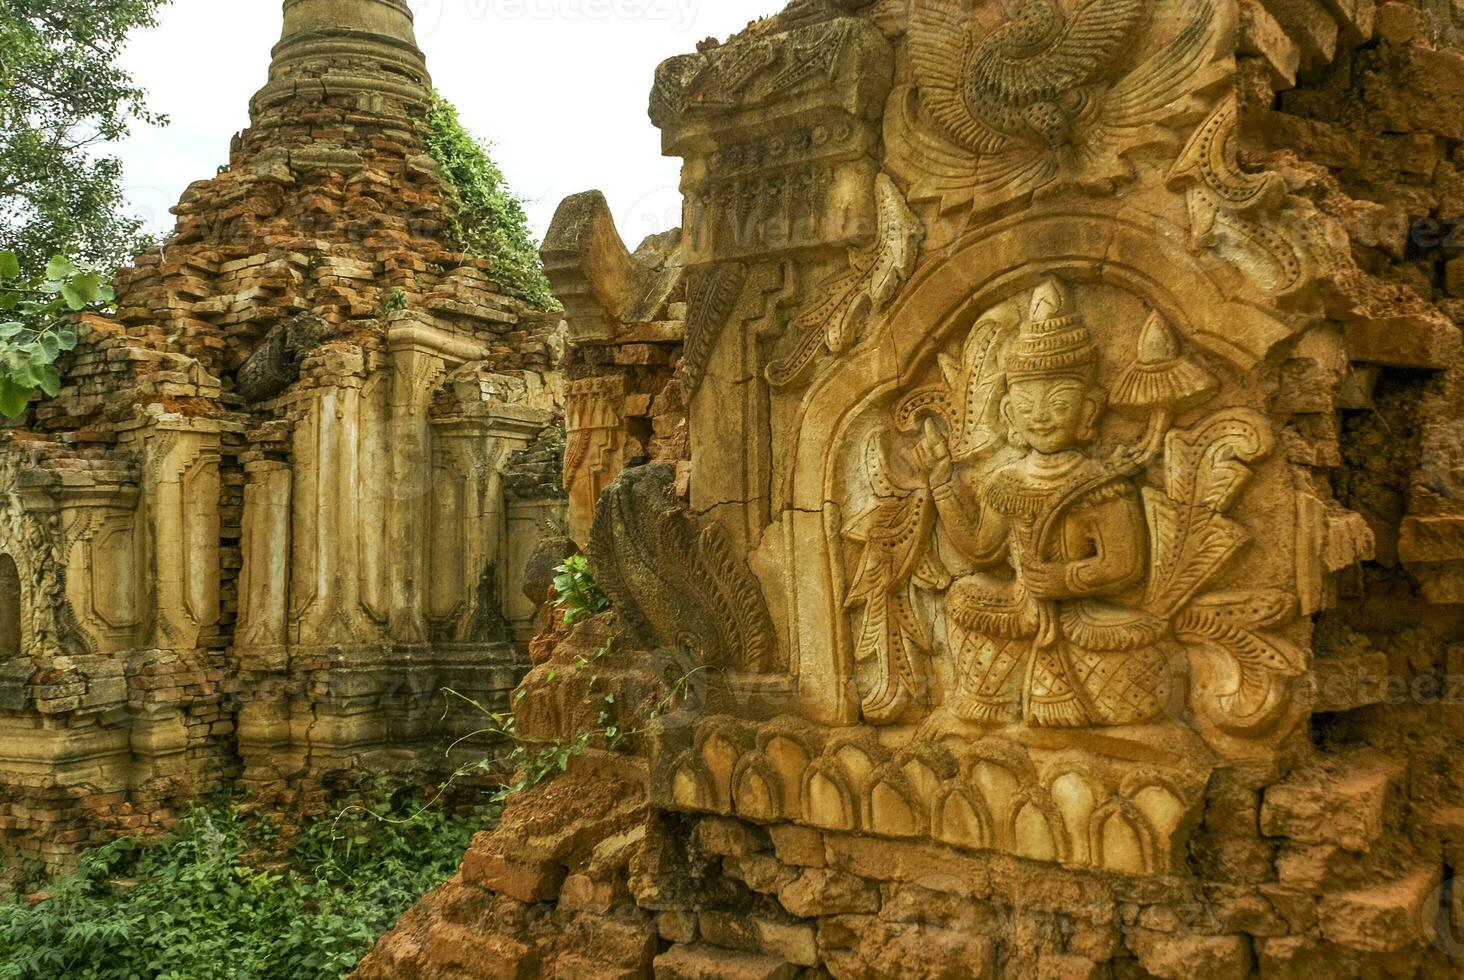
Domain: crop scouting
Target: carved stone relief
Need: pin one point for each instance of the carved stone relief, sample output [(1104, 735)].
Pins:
[(845, 302), (711, 296), (779, 139), (29, 535), (674, 583), (595, 441), (1040, 95), (1249, 218), (1073, 582), (1124, 815)]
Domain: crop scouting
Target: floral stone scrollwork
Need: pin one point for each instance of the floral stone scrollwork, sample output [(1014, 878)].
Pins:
[(849, 298)]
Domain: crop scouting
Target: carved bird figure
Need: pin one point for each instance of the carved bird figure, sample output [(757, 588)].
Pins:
[(1049, 91), (1039, 72)]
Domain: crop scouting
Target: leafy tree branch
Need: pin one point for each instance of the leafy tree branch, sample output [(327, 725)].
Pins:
[(37, 324), (63, 95)]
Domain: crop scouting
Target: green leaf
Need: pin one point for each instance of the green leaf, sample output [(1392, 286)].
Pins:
[(60, 267), (89, 286), (74, 297), (9, 266), (10, 328), (50, 345), (25, 377), (13, 398), (66, 337), (49, 379)]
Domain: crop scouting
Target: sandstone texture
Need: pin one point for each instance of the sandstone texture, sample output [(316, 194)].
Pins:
[(1042, 443)]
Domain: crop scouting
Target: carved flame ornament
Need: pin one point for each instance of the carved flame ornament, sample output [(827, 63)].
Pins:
[(1248, 217), (851, 297)]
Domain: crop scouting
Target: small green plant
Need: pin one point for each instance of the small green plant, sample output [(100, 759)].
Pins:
[(35, 327), (579, 596), (395, 303), (527, 762), (489, 222)]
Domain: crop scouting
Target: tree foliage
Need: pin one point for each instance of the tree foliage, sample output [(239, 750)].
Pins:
[(35, 326), (490, 221), (63, 95)]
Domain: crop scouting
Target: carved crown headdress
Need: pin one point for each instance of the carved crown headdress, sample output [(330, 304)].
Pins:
[(1053, 340)]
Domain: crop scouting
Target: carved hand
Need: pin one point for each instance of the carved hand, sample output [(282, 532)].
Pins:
[(1046, 580), (935, 452)]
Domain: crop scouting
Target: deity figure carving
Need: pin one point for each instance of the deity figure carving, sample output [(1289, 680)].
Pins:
[(1073, 592)]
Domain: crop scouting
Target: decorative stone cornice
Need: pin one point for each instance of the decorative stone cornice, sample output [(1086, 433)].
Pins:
[(331, 47)]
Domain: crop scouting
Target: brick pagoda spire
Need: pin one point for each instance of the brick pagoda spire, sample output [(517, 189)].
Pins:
[(263, 524)]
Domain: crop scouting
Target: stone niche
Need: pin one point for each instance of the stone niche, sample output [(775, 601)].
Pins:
[(992, 537)]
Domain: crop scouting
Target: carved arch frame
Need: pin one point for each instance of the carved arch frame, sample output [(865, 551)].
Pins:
[(1210, 303)]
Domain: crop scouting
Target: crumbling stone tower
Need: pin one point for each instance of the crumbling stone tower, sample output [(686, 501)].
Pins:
[(265, 524)]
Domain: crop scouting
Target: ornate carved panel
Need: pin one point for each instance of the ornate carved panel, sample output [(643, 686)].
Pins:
[(1010, 475), (595, 438), (1008, 99), (778, 137), (1068, 560)]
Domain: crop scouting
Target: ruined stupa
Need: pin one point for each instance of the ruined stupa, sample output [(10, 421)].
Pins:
[(1050, 566), (285, 497)]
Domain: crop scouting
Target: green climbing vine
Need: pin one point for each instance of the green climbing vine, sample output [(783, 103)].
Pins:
[(489, 222)]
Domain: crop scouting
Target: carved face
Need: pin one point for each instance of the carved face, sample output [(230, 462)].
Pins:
[(1051, 414)]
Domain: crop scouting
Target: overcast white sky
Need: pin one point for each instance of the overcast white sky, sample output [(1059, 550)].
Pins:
[(559, 87)]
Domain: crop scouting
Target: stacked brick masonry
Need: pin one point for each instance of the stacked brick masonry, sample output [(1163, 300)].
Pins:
[(329, 209)]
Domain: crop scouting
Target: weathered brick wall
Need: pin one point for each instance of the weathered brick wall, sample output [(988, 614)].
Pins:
[(329, 220)]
